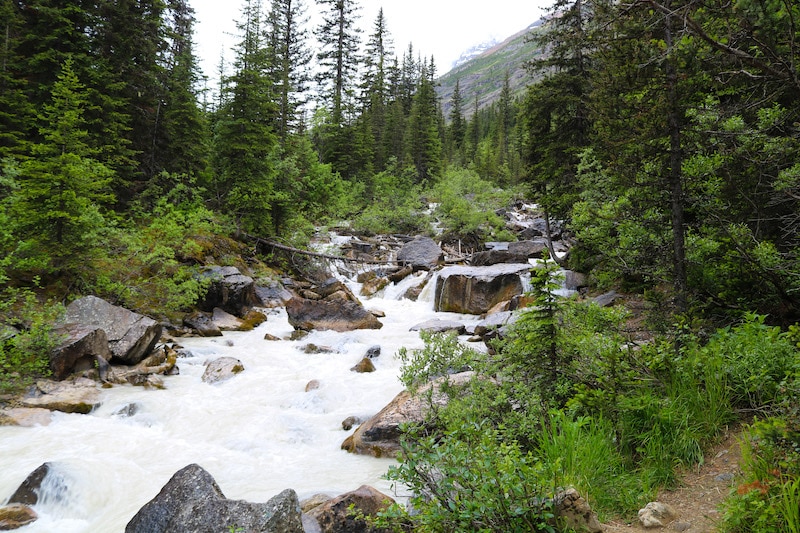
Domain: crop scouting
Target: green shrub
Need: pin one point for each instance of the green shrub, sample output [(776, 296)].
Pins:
[(25, 351)]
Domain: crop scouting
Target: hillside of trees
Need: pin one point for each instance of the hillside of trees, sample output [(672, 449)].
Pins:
[(664, 134)]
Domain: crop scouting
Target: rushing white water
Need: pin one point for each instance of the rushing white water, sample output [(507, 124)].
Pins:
[(257, 433)]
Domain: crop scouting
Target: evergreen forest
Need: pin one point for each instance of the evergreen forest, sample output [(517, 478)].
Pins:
[(663, 134)]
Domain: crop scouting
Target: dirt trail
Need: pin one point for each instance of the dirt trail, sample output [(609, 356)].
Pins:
[(702, 489)]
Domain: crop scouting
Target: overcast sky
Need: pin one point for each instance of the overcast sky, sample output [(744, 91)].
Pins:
[(442, 28)]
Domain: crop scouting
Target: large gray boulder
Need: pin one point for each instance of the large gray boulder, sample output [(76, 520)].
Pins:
[(476, 290), (380, 435), (83, 346), (131, 336), (230, 290), (336, 315), (336, 514), (192, 502), (421, 253)]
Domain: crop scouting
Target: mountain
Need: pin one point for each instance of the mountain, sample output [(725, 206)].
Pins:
[(483, 74), (474, 52)]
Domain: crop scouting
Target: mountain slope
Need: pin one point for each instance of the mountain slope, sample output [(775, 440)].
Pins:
[(483, 75)]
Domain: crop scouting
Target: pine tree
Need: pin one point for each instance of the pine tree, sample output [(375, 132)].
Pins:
[(17, 115), (457, 124), (245, 144), (375, 89), (338, 58), (62, 186), (289, 59), (423, 139)]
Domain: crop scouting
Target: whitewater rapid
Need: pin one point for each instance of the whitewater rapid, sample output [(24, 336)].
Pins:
[(256, 434)]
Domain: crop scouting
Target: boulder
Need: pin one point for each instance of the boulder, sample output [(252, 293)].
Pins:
[(336, 515), (422, 253), (350, 421), (527, 248), (364, 366), (161, 361), (495, 322), (192, 502), (131, 336), (574, 281), (272, 295), (202, 324), (475, 290), (82, 346), (373, 286), (222, 369), (607, 299), (78, 396), (496, 257), (380, 435), (28, 492), (436, 325), (373, 351), (226, 321), (229, 290), (15, 516), (25, 417), (339, 316)]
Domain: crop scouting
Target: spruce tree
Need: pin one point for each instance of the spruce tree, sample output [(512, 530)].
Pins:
[(423, 141), (457, 129), (245, 144), (338, 59), (62, 187)]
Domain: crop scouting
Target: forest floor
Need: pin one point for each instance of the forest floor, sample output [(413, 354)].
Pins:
[(700, 492)]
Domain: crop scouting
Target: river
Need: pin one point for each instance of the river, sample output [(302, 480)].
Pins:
[(256, 434)]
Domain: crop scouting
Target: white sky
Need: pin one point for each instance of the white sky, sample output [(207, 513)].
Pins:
[(442, 28)]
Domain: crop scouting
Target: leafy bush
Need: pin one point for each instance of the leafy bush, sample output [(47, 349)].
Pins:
[(25, 350), (392, 204), (467, 206)]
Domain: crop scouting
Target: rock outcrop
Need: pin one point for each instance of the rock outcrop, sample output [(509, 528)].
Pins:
[(77, 396), (192, 502)]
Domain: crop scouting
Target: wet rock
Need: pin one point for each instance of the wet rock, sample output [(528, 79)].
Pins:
[(336, 516), (307, 315), (436, 325), (127, 411), (75, 396), (28, 492), (161, 361), (401, 274), (380, 435), (15, 516), (373, 351), (364, 366), (272, 295), (494, 322), (25, 417), (350, 421), (229, 290), (373, 286), (271, 337), (226, 321), (202, 324), (82, 346), (475, 290), (312, 348), (131, 336), (656, 514), (192, 502), (421, 253), (222, 369), (314, 384)]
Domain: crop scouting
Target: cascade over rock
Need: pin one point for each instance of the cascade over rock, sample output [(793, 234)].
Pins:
[(192, 502)]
